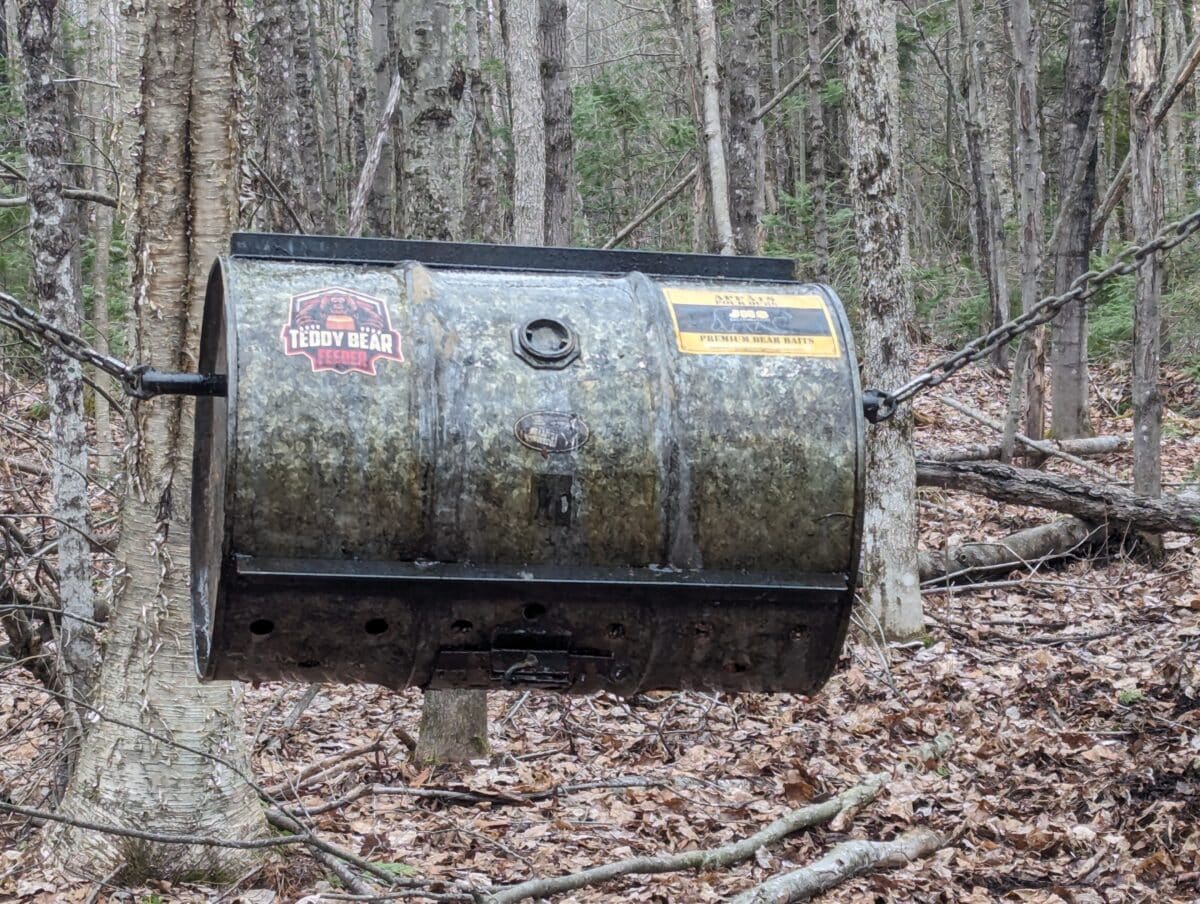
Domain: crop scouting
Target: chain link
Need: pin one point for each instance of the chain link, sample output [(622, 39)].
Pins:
[(29, 323), (881, 405)]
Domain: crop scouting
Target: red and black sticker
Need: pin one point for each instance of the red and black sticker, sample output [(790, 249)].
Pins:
[(340, 330)]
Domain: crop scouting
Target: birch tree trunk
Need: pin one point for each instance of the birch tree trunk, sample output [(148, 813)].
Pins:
[(527, 112), (747, 146), (164, 769), (50, 243), (1068, 351), (556, 91), (1029, 202), (890, 583), (718, 175), (1146, 201)]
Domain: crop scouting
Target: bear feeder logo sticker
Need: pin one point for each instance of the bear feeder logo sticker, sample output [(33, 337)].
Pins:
[(340, 330)]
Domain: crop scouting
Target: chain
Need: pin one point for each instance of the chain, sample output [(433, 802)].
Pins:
[(881, 405), (878, 404), (29, 323)]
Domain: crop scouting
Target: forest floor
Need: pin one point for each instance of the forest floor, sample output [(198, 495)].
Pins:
[(1073, 698)]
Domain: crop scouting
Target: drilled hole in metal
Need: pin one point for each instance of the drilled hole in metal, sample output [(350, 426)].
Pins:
[(534, 611), (462, 626), (261, 627), (376, 626)]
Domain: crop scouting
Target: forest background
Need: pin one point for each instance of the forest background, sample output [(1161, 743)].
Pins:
[(1011, 130)]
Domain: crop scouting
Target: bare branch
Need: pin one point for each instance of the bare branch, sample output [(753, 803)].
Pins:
[(713, 858), (847, 860)]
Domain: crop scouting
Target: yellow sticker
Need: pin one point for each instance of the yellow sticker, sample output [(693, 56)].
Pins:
[(708, 322)]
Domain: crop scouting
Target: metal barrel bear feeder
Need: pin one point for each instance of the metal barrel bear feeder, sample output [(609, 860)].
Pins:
[(449, 465)]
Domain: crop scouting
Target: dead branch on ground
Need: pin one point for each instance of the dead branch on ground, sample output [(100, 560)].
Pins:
[(1032, 546), (1092, 446), (840, 808), (1100, 504), (847, 860)]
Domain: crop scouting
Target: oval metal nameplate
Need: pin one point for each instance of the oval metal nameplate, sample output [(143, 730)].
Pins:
[(552, 431)]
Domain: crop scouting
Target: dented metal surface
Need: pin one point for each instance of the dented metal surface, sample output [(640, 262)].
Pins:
[(394, 491)]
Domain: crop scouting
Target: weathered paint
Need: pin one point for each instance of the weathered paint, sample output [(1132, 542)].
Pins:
[(696, 525)]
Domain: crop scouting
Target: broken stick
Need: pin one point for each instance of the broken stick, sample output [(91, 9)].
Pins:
[(847, 860)]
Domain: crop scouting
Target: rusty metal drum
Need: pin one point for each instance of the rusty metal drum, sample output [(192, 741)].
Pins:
[(451, 465)]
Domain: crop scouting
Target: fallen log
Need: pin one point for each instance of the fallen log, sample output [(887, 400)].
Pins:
[(1100, 504), (1068, 536), (1089, 446)]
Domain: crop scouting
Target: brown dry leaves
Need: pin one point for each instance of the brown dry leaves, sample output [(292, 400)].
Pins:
[(1073, 698)]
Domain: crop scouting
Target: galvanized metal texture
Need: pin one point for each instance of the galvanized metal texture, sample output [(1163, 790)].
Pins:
[(391, 493)]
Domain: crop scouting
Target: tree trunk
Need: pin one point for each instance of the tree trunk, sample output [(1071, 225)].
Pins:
[(556, 91), (1029, 163), (352, 22), (747, 146), (98, 98), (527, 111), (718, 175), (1147, 211), (278, 118), (989, 225), (1174, 145), (436, 116), (453, 727), (382, 198), (50, 241), (103, 227), (1195, 143), (890, 584), (313, 201), (483, 220), (442, 103), (816, 141), (1068, 353), (172, 766)]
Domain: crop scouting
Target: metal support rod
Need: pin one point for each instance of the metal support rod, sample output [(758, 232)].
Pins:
[(155, 383)]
